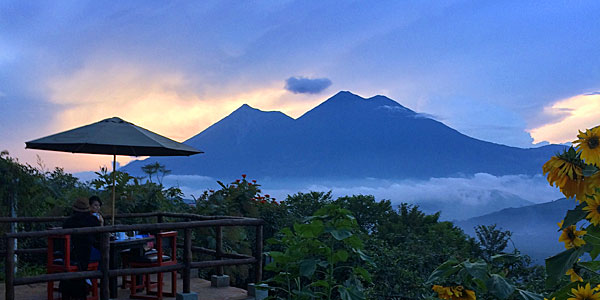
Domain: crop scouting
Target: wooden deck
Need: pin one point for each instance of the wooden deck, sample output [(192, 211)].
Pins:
[(200, 286)]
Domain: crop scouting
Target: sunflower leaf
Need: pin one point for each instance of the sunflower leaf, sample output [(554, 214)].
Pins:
[(557, 265), (574, 215), (590, 265), (477, 269), (592, 238), (499, 286), (525, 295), (444, 270)]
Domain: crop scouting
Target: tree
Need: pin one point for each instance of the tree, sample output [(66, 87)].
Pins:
[(492, 241), (151, 169)]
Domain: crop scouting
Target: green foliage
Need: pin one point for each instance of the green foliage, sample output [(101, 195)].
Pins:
[(486, 279), (407, 245), (492, 240), (239, 198), (369, 213), (337, 246), (321, 259), (133, 196)]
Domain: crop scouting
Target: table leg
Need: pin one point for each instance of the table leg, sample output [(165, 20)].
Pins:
[(112, 283)]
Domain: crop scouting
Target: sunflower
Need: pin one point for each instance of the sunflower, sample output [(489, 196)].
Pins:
[(571, 236), (593, 208), (589, 145), (574, 275), (461, 293), (584, 293), (591, 183), (453, 292), (443, 292), (565, 171)]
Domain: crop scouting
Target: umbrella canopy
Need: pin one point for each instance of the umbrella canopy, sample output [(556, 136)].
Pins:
[(112, 136)]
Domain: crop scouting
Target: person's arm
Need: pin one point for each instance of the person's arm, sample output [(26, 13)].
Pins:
[(101, 219)]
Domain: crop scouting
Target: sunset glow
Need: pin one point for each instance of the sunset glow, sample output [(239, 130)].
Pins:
[(572, 114)]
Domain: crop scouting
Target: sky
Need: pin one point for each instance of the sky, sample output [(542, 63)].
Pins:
[(518, 73)]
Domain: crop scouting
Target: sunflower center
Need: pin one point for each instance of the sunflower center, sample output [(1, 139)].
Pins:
[(571, 235), (593, 142), (598, 209)]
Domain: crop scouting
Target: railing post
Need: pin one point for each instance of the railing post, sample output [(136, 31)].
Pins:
[(9, 267), (104, 266), (187, 259), (159, 218), (219, 249), (258, 254)]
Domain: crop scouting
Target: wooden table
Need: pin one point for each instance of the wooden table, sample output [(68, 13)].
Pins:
[(136, 244)]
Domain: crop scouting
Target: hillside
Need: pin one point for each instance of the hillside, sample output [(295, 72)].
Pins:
[(534, 227)]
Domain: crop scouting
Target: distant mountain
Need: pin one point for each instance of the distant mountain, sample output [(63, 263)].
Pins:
[(534, 227), (480, 203), (346, 136)]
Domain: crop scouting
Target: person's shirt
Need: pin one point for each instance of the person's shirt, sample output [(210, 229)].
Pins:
[(82, 243)]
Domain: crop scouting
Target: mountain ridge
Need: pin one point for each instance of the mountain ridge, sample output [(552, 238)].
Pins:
[(346, 136)]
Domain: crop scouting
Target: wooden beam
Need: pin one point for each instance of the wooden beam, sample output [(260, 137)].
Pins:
[(56, 277), (140, 227), (224, 262)]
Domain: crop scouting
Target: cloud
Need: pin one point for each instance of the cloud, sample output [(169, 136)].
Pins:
[(456, 197), (303, 85), (569, 116), (162, 99)]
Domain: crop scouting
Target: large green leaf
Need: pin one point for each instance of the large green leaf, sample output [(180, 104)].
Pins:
[(557, 265), (308, 267), (340, 234), (574, 215), (363, 273), (310, 230), (591, 265), (499, 286), (321, 283), (526, 295), (477, 269), (592, 238), (363, 256), (446, 269)]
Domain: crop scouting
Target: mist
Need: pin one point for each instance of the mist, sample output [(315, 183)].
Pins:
[(456, 198)]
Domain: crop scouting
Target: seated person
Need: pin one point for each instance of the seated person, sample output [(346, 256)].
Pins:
[(76, 289), (95, 205)]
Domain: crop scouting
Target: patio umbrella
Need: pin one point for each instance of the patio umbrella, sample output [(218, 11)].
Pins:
[(112, 136)]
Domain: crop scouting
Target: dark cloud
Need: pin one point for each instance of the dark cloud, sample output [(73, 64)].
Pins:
[(303, 85)]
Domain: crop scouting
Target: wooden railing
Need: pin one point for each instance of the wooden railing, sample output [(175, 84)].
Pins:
[(104, 273)]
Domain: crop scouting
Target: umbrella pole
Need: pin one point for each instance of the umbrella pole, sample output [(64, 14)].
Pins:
[(113, 188)]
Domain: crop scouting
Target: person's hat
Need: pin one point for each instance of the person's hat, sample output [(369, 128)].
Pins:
[(81, 205)]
